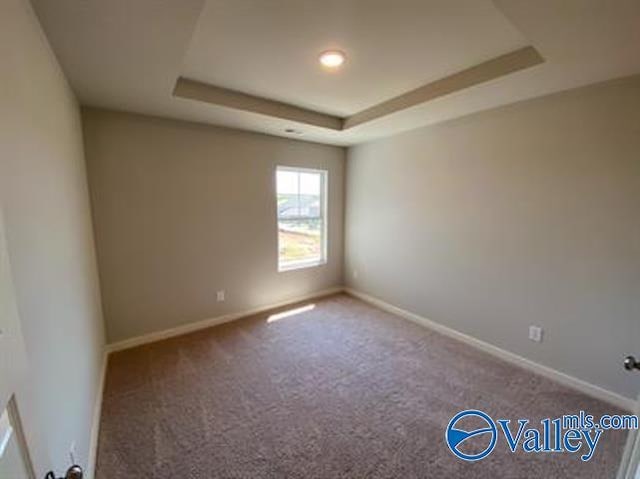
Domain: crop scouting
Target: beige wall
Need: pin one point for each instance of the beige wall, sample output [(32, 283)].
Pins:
[(44, 198), (527, 214), (182, 210)]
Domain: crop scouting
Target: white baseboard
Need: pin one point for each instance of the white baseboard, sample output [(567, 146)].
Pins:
[(97, 412), (563, 378), (207, 323), (558, 376)]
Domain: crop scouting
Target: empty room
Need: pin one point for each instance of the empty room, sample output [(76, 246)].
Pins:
[(318, 239)]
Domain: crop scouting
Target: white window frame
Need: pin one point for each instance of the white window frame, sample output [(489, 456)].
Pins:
[(324, 202)]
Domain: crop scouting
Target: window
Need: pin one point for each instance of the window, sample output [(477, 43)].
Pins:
[(302, 226)]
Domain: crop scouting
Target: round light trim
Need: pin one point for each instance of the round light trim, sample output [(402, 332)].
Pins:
[(332, 59)]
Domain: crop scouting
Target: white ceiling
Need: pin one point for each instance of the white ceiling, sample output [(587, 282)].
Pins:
[(271, 48), (127, 55)]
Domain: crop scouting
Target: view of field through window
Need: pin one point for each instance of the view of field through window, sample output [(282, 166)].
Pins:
[(300, 217)]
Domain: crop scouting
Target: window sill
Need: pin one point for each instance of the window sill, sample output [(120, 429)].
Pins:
[(300, 265)]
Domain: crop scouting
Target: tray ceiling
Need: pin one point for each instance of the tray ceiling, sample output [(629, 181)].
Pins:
[(132, 56), (271, 48)]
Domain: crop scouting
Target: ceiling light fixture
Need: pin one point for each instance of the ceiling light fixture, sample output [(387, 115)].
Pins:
[(332, 59)]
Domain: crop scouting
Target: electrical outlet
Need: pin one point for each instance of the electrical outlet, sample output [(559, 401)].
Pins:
[(220, 295), (535, 333), (72, 452)]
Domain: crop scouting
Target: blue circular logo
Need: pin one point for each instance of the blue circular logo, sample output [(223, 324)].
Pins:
[(455, 437)]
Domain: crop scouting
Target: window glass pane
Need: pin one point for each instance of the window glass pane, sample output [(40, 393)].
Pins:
[(301, 227), (287, 186), (288, 182), (309, 201), (310, 184), (300, 240)]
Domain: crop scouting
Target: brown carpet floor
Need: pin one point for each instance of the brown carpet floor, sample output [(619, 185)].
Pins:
[(341, 391)]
